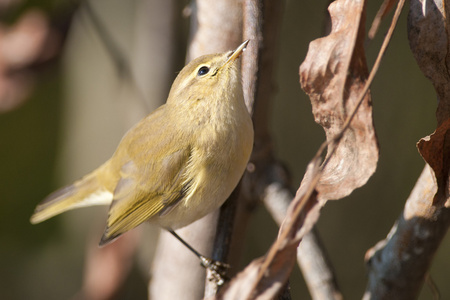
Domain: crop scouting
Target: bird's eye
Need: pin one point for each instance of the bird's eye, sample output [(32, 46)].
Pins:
[(203, 71)]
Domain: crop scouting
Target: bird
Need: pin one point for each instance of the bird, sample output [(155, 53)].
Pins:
[(179, 163)]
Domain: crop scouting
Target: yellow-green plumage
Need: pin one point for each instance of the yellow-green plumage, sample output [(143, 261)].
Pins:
[(179, 163)]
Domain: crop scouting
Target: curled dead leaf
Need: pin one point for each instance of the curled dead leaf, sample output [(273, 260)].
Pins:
[(435, 149), (333, 75), (429, 40)]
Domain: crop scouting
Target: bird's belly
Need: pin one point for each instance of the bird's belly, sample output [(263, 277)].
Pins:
[(211, 188), (216, 167)]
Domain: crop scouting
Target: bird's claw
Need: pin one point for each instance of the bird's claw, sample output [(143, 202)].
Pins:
[(218, 270)]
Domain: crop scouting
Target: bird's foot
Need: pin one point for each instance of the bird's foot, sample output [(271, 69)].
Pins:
[(218, 269)]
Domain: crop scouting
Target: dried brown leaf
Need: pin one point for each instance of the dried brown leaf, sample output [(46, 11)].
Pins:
[(429, 40), (334, 74), (435, 149), (428, 34)]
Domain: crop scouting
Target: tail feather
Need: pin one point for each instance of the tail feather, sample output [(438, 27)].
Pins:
[(84, 192)]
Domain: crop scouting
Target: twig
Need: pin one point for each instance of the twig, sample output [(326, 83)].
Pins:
[(382, 11), (311, 255), (222, 240), (317, 269)]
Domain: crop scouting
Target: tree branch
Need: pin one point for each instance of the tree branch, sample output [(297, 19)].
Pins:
[(311, 254), (398, 264)]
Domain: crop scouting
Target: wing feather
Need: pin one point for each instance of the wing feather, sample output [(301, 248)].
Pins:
[(149, 184)]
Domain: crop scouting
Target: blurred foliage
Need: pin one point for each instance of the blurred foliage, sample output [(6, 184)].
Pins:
[(52, 8)]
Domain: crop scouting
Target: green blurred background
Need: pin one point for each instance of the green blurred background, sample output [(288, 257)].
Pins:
[(75, 117)]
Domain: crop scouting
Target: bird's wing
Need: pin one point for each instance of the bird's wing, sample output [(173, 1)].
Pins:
[(151, 180)]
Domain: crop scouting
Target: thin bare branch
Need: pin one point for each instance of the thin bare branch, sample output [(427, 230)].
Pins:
[(384, 9), (311, 255), (222, 240), (317, 269)]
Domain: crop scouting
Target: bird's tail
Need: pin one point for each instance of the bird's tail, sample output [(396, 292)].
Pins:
[(87, 191)]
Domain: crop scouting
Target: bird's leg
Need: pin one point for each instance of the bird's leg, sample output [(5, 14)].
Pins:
[(218, 269)]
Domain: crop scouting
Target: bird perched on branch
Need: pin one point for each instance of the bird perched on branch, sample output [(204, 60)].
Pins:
[(179, 163)]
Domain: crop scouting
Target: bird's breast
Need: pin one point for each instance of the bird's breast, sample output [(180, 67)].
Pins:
[(218, 159)]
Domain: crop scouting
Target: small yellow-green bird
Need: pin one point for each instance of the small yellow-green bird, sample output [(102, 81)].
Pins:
[(179, 163)]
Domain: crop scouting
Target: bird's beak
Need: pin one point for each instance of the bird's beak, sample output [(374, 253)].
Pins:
[(236, 53)]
